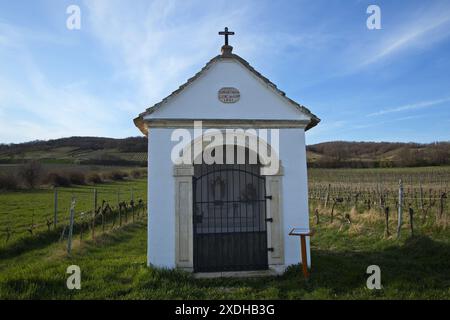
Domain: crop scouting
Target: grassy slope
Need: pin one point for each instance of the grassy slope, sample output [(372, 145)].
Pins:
[(17, 207), (114, 268), (73, 154)]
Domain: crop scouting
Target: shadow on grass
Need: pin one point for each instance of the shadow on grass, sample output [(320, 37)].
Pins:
[(418, 268), (43, 238), (37, 241), (420, 264)]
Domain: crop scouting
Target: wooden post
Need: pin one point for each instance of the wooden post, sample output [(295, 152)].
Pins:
[(327, 196), (441, 204), (316, 214), (335, 201), (120, 215), (332, 211), (95, 199), (119, 207), (304, 257), (400, 207), (386, 213), (81, 226), (132, 203), (380, 198), (411, 215), (421, 198), (94, 213), (69, 238), (302, 233), (55, 206)]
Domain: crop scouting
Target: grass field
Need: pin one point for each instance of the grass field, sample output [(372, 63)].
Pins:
[(19, 209), (114, 265), (114, 268)]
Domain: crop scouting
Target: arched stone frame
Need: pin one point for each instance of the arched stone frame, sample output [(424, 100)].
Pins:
[(183, 173)]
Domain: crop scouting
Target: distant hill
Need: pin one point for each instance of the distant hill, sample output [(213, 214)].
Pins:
[(79, 150), (133, 151), (342, 154)]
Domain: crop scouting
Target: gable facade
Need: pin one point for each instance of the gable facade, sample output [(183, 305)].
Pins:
[(171, 186)]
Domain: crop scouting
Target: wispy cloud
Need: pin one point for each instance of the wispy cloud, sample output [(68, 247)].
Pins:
[(126, 58), (34, 107), (413, 106), (160, 44), (418, 30)]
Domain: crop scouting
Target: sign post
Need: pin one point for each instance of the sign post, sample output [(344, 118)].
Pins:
[(303, 233)]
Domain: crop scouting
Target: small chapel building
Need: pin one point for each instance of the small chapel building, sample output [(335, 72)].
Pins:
[(227, 177)]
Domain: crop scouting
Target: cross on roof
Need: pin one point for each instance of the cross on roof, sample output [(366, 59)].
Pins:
[(226, 33)]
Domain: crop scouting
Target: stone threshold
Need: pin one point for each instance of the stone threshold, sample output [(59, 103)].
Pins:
[(235, 274)]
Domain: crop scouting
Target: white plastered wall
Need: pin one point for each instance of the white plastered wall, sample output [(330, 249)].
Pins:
[(161, 191)]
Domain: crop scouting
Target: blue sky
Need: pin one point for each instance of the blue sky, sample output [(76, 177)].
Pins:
[(366, 85)]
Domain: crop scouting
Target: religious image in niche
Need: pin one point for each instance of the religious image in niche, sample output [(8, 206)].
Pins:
[(218, 188), (249, 193)]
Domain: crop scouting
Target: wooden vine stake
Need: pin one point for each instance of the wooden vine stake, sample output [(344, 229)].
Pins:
[(94, 213), (386, 213), (55, 213), (316, 215), (327, 196), (441, 204), (132, 202), (69, 237), (400, 208)]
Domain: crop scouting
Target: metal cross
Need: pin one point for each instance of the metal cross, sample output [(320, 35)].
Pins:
[(226, 33)]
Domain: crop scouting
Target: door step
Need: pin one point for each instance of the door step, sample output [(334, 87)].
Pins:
[(235, 274)]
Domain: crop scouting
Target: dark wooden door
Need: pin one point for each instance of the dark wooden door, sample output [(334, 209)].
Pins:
[(229, 218)]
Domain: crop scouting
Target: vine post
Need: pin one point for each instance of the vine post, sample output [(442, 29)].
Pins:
[(400, 207), (55, 207)]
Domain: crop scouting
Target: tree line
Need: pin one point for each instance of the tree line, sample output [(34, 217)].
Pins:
[(342, 154)]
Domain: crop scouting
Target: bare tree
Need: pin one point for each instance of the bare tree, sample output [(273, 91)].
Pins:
[(31, 173)]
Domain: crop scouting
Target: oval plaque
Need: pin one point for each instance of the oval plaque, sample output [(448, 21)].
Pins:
[(229, 95)]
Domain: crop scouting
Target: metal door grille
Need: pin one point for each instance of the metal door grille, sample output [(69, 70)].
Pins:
[(229, 218)]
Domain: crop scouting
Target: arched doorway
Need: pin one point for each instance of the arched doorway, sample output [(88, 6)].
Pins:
[(229, 216)]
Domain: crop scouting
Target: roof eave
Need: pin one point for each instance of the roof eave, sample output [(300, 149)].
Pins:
[(140, 123), (314, 122)]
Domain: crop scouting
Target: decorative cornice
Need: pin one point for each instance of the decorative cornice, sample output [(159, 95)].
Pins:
[(225, 123)]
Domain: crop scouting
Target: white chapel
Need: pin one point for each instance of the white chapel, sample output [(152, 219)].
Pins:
[(227, 177)]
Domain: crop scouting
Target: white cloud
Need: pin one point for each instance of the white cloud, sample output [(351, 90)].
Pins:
[(32, 107), (420, 29), (160, 44), (413, 106)]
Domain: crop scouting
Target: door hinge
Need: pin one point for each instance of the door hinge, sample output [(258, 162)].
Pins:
[(270, 249), (269, 219), (268, 197)]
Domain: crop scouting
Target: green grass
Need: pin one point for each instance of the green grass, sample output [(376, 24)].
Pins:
[(114, 265), (18, 209)]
